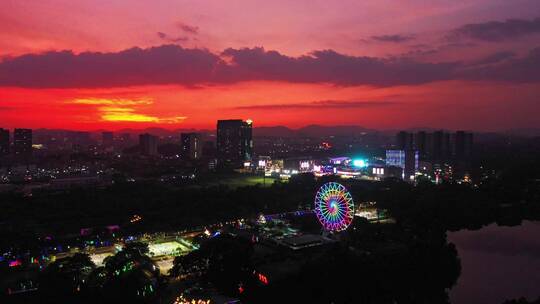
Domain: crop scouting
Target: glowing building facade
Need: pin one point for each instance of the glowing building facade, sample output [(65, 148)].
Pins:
[(407, 160)]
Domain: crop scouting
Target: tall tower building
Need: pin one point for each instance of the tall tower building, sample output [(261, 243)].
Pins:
[(404, 140), (463, 145), (446, 146), (22, 143), (234, 142), (469, 145), (148, 144), (421, 144), (440, 146), (4, 142), (191, 145), (436, 148)]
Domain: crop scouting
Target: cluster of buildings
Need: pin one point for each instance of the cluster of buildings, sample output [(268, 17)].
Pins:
[(439, 155), (32, 160), (26, 144), (20, 147), (436, 156), (438, 146), (233, 144)]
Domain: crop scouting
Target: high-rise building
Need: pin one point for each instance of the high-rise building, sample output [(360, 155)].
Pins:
[(469, 145), (148, 144), (234, 142), (421, 144), (191, 145), (446, 146), (404, 140), (407, 160), (411, 164), (22, 143), (107, 139), (440, 146), (463, 145), (4, 142), (395, 158), (436, 145)]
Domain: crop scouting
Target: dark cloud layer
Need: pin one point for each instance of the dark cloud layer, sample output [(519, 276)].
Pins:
[(172, 64), (393, 38), (494, 58), (497, 30), (158, 65), (323, 104), (526, 69), (190, 29), (168, 38), (329, 66)]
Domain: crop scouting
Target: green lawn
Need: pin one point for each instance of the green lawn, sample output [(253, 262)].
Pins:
[(242, 181), (236, 181)]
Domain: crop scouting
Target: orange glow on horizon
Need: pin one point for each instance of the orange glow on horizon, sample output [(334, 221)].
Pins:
[(125, 110), (113, 101), (439, 105)]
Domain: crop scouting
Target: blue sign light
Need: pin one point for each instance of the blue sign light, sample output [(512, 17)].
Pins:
[(360, 163)]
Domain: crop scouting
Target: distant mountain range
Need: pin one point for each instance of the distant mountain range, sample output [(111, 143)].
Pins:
[(277, 131), (307, 131), (311, 130)]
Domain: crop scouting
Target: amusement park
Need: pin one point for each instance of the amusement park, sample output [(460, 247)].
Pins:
[(282, 243), (273, 248)]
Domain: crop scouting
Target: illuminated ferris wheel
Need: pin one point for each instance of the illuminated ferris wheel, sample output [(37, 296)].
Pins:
[(334, 206)]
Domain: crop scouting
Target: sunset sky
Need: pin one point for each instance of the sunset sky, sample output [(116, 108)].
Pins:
[(112, 64)]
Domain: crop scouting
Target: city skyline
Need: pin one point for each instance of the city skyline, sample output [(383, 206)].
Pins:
[(471, 65), (248, 151)]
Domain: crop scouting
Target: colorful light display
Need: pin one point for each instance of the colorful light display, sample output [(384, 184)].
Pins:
[(182, 300), (334, 206), (360, 163)]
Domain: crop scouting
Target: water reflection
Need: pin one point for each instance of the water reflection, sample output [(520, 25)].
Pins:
[(498, 263)]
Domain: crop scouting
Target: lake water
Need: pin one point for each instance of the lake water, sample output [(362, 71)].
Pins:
[(498, 263)]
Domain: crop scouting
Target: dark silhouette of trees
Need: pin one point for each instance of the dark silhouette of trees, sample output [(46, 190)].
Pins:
[(521, 301), (224, 261), (130, 275), (193, 263), (65, 277)]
